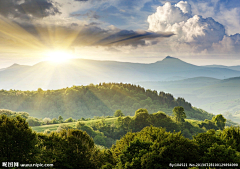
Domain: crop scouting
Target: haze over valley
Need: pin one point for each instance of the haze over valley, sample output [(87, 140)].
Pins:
[(213, 88)]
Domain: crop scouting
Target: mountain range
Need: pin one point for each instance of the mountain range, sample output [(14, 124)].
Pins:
[(211, 94), (47, 75)]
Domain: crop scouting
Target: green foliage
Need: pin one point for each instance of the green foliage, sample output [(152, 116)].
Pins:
[(118, 113), (70, 119), (141, 119), (220, 154), (17, 141), (89, 130), (10, 113), (79, 125), (208, 124), (231, 136), (152, 147), (47, 120), (179, 114), (34, 121), (206, 140), (100, 140), (60, 119), (219, 121), (47, 131), (54, 121), (63, 127), (68, 149), (94, 100)]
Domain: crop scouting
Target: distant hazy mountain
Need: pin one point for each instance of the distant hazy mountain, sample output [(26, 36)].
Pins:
[(47, 75), (228, 67), (213, 95)]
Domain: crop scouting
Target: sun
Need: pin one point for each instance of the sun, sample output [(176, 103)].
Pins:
[(58, 56)]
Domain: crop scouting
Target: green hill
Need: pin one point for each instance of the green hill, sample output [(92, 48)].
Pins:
[(94, 100)]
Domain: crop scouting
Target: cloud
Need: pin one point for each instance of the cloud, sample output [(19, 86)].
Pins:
[(184, 6), (195, 32), (41, 36), (28, 8), (229, 44), (134, 38), (225, 12), (89, 14)]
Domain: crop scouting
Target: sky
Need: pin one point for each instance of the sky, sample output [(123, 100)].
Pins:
[(200, 32)]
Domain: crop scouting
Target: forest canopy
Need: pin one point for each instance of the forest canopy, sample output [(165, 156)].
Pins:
[(95, 100)]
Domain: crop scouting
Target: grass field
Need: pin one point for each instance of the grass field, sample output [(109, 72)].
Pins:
[(53, 127)]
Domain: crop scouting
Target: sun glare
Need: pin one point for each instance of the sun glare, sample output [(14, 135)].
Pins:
[(58, 56)]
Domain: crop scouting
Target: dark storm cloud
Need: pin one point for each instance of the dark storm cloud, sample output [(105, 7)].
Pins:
[(133, 38), (27, 8)]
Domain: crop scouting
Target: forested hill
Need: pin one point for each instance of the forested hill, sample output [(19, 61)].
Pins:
[(94, 100)]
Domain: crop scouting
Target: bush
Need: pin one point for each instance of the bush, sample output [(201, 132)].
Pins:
[(79, 125), (100, 140), (54, 121), (47, 121), (118, 113), (34, 121), (70, 119)]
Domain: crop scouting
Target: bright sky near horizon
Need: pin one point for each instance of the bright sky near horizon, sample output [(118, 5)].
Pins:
[(201, 32)]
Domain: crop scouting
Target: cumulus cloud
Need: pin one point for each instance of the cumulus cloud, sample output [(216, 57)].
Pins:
[(184, 6), (225, 12), (193, 32), (229, 44)]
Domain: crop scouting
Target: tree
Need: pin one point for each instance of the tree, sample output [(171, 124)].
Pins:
[(219, 121), (220, 154), (118, 113), (34, 121), (153, 147), (126, 123), (141, 119), (179, 114), (231, 136), (158, 118), (17, 141), (205, 141), (68, 149), (208, 124), (99, 140), (47, 120), (60, 119)]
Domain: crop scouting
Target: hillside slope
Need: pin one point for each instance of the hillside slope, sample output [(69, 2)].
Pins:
[(94, 100), (213, 95)]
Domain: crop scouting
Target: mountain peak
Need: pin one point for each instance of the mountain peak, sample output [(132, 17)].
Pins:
[(169, 57), (14, 65)]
